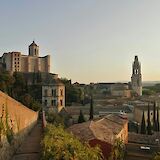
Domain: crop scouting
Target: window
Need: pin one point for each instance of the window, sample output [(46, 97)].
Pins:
[(61, 102), (61, 92), (14, 62), (52, 92), (45, 102), (45, 92), (52, 102), (15, 59)]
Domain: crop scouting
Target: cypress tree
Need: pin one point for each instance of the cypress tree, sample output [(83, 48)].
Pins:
[(149, 130), (81, 117), (154, 117), (158, 119), (91, 108), (143, 125)]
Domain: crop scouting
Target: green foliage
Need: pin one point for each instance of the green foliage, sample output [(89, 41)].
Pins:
[(59, 144), (157, 156), (6, 82), (118, 150), (151, 89), (154, 117), (72, 93), (9, 131), (54, 118), (16, 87), (81, 117), (91, 109), (148, 92), (30, 102), (6, 127), (149, 128), (143, 125)]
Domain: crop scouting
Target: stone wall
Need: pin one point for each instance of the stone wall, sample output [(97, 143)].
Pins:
[(20, 120), (144, 139)]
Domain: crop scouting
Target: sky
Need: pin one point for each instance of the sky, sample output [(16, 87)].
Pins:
[(88, 40)]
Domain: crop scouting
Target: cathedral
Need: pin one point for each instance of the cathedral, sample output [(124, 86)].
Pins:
[(16, 61), (136, 79)]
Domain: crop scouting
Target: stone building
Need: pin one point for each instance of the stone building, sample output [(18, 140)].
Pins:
[(120, 90), (53, 96), (16, 61), (136, 79), (102, 132), (36, 71)]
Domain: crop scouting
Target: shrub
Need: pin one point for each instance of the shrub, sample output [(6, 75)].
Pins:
[(59, 144)]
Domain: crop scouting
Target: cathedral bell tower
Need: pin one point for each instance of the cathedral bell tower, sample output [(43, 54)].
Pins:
[(33, 49), (136, 79)]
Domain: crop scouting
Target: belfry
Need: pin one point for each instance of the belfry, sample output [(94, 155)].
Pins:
[(136, 79)]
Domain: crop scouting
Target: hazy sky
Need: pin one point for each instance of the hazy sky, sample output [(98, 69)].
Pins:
[(88, 40)]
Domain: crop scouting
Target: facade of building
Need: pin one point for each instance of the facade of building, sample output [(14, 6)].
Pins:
[(136, 79), (17, 62), (120, 90), (53, 96)]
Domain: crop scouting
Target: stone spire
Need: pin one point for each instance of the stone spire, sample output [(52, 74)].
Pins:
[(33, 49), (136, 79)]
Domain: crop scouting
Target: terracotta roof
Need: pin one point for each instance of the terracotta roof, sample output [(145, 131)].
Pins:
[(104, 129)]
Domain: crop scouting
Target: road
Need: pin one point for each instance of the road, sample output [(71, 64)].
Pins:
[(134, 152)]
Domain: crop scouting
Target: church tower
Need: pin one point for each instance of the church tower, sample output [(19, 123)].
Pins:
[(34, 49), (136, 79)]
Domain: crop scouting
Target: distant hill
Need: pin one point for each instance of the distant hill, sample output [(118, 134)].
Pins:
[(150, 83)]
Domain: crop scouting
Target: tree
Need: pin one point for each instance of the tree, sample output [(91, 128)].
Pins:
[(118, 150), (157, 156), (143, 125), (59, 144), (19, 85), (6, 82), (149, 130), (81, 117), (91, 109), (157, 119), (54, 118), (154, 117), (30, 102)]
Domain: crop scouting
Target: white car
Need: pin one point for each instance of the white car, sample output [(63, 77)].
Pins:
[(145, 147)]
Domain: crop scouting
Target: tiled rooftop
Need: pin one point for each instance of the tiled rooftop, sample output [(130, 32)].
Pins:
[(103, 129)]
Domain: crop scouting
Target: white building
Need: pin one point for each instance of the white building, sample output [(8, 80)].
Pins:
[(53, 96)]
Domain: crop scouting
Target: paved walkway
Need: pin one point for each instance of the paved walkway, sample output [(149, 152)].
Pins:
[(30, 148)]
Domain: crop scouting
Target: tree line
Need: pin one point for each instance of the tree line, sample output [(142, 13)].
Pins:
[(149, 128), (16, 86)]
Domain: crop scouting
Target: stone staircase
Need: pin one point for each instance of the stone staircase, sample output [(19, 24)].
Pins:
[(30, 149)]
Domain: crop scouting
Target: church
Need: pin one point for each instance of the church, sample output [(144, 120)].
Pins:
[(17, 62), (136, 79)]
